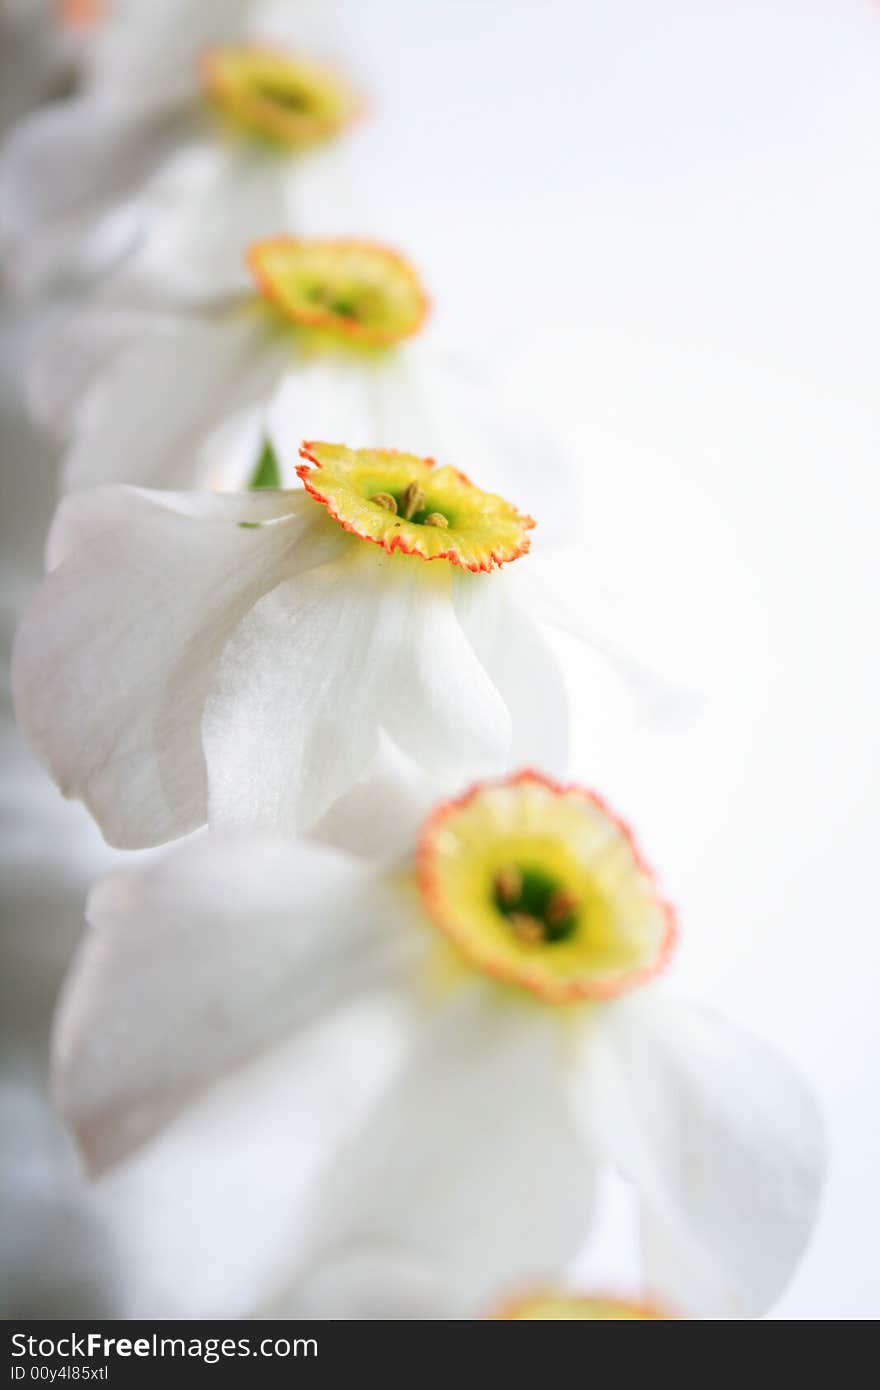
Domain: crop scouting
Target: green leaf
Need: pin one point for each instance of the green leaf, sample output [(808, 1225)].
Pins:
[(267, 473)]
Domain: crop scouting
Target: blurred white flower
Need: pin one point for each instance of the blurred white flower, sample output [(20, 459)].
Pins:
[(57, 1257), (322, 347), (557, 1304), (281, 632), (39, 55), (368, 1281), (509, 943), (185, 131)]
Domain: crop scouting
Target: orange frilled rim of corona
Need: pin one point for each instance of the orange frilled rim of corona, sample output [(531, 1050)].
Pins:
[(553, 1305), (291, 101), (408, 505), (79, 14), (542, 887), (354, 289)]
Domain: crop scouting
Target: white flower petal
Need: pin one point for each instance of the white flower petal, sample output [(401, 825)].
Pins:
[(151, 416), (66, 351), (324, 662), (203, 208), (472, 1163), (526, 671), (436, 409), (64, 155), (722, 1140), (203, 1241), (439, 702), (565, 586), (57, 1259), (369, 1281), (144, 52), (202, 960), (382, 814), (36, 57), (332, 396), (116, 652), (66, 175)]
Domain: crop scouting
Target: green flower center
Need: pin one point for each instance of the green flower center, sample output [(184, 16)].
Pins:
[(538, 908)]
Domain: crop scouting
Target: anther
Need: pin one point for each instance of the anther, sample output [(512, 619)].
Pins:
[(508, 885), (384, 499), (412, 501), (559, 906), (527, 928), (435, 519)]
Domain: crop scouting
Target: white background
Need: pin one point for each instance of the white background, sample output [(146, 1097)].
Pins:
[(661, 221), (674, 210)]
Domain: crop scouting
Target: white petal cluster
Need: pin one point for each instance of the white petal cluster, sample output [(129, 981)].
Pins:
[(130, 171), (213, 652)]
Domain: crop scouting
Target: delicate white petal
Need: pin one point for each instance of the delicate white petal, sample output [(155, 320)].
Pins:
[(518, 658), (723, 1141), (336, 396), (144, 54), (324, 29), (207, 1211), (66, 176), (324, 662), (36, 59), (434, 408), (382, 814), (370, 1281), (67, 349), (152, 416), (117, 650), (471, 1163), (203, 959), (57, 1259), (563, 587), (203, 208), (439, 702), (320, 196), (66, 155)]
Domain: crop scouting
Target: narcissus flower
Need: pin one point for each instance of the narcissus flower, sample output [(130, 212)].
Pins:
[(38, 56), (240, 654), (79, 14), (510, 942), (557, 1305), (323, 345), (183, 132), (377, 1280)]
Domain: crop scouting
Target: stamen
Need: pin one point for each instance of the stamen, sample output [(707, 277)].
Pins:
[(559, 906), (508, 885), (435, 519), (526, 928), (412, 501), (384, 499)]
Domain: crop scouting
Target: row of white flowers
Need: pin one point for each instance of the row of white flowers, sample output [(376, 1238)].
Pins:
[(300, 591)]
